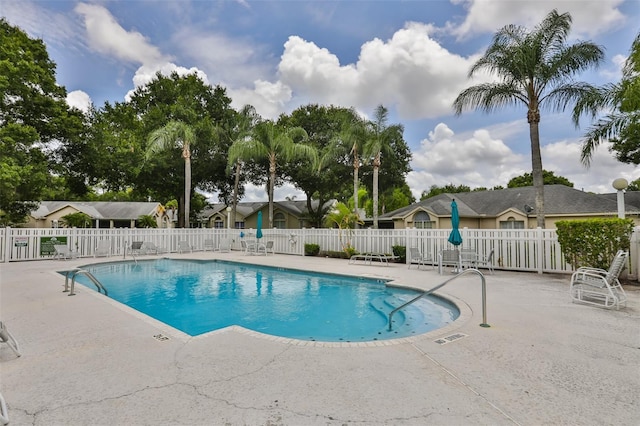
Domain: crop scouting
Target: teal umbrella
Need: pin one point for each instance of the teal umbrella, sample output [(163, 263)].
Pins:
[(259, 226), (454, 237)]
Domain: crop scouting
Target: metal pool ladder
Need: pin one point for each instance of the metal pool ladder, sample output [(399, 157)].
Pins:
[(75, 272), (467, 271)]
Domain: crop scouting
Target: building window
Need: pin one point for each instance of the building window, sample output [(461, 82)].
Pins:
[(218, 223), (279, 221), (239, 225), (422, 220), (511, 223)]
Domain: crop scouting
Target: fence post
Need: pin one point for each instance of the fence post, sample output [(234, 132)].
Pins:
[(7, 244), (540, 251)]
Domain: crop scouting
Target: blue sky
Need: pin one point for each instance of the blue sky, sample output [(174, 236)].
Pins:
[(412, 56)]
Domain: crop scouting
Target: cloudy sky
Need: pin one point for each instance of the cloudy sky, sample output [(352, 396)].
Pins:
[(412, 56)]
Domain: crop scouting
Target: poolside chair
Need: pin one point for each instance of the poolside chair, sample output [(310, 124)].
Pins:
[(208, 245), (225, 245), (183, 246), (151, 248), (136, 248), (6, 337), (449, 258), (103, 248), (415, 256), (63, 252), (486, 261), (269, 247), (599, 287), (248, 248)]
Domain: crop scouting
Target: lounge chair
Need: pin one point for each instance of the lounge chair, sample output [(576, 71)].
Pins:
[(486, 261), (416, 257), (208, 245), (449, 258), (63, 252), (599, 287), (382, 258), (103, 248), (151, 248), (248, 248), (184, 246), (6, 337), (137, 248), (225, 245)]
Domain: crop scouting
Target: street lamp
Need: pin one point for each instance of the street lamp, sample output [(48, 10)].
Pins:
[(620, 185), (229, 217)]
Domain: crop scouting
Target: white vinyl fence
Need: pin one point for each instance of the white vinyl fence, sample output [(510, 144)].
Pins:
[(534, 250)]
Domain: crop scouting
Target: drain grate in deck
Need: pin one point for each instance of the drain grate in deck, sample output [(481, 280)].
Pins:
[(160, 337), (450, 338)]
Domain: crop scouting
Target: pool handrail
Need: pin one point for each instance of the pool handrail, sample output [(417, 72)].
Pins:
[(73, 273), (427, 292)]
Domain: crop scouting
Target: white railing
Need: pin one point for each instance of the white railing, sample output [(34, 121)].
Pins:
[(534, 250)]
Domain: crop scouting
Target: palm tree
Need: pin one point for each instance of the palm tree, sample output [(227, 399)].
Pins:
[(535, 69), (378, 143), (623, 123), (239, 131), (349, 142), (274, 143), (175, 133)]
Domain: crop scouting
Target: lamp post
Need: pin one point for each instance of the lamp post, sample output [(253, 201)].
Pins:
[(229, 217), (620, 185)]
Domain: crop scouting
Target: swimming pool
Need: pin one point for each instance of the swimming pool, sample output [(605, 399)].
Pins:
[(197, 297)]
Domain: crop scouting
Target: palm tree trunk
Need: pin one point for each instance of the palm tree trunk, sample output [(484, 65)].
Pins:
[(356, 166), (236, 186), (272, 179), (186, 154), (376, 167), (536, 166)]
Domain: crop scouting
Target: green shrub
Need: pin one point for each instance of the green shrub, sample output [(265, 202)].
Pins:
[(350, 251), (335, 254), (401, 253), (593, 242), (311, 249)]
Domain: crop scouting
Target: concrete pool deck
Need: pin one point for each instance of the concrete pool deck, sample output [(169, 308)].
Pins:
[(87, 360)]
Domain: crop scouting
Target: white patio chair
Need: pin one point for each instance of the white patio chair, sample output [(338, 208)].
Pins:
[(416, 257), (6, 337), (63, 252), (103, 248), (184, 247), (225, 245), (248, 248), (208, 245), (137, 248), (599, 287), (449, 258), (486, 261)]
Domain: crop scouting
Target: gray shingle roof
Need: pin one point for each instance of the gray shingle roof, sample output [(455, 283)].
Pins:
[(558, 199), (116, 210)]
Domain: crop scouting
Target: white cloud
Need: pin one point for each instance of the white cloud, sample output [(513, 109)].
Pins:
[(109, 38), (79, 99), (486, 16), (479, 160), (145, 74), (410, 70)]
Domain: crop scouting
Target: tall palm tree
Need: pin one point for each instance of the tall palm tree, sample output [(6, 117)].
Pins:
[(379, 142), (180, 134), (239, 131), (535, 69), (349, 142), (274, 143), (622, 124)]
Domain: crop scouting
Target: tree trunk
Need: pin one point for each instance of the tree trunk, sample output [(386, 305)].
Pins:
[(376, 167), (236, 186), (536, 165), (356, 166), (272, 179), (187, 183)]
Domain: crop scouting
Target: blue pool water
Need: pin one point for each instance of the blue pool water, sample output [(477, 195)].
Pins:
[(201, 296)]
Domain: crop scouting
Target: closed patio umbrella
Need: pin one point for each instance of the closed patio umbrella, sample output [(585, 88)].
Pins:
[(259, 226), (454, 237)]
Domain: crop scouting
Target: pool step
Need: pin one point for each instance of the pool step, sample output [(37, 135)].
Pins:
[(406, 317)]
